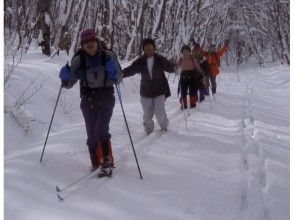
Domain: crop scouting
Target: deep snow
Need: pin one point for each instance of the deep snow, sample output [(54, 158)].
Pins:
[(202, 174)]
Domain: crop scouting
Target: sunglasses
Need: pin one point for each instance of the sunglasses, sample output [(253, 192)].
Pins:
[(89, 41)]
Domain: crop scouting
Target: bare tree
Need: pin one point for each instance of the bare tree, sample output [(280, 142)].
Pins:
[(136, 17), (255, 28), (17, 108), (76, 29), (61, 35)]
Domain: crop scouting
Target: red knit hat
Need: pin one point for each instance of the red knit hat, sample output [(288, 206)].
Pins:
[(87, 34)]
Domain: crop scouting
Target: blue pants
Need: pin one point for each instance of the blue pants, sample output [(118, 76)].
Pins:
[(97, 119)]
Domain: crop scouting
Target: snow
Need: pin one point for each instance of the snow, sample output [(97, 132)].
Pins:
[(202, 174)]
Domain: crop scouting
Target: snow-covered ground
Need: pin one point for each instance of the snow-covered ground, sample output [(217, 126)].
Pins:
[(232, 163)]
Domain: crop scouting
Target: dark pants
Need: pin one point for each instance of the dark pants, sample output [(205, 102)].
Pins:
[(97, 118), (204, 90), (189, 80), (213, 83)]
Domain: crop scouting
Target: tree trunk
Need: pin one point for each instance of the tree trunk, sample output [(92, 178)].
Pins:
[(77, 29), (43, 8)]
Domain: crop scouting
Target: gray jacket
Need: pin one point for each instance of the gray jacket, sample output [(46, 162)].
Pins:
[(94, 79)]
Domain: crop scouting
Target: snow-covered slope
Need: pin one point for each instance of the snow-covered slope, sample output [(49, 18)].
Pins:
[(232, 163)]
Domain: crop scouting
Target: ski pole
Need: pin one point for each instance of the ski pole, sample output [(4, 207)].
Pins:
[(122, 108), (51, 122), (56, 52), (209, 95), (184, 115), (182, 104)]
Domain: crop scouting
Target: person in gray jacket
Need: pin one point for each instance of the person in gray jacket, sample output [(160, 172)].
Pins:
[(97, 69), (154, 88)]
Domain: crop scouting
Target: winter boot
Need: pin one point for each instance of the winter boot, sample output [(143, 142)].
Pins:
[(107, 150), (206, 91), (183, 101), (106, 167), (213, 90), (202, 97), (202, 94), (193, 101), (107, 158), (95, 158)]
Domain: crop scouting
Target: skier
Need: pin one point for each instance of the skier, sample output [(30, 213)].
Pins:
[(97, 69), (154, 88), (213, 58), (190, 78), (204, 90)]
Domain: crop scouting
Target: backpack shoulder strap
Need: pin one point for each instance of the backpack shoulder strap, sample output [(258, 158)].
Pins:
[(81, 53), (84, 85), (104, 59)]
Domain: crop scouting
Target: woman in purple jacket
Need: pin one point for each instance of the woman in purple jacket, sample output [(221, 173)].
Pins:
[(97, 69)]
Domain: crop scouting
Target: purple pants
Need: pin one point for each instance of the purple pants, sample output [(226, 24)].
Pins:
[(97, 118)]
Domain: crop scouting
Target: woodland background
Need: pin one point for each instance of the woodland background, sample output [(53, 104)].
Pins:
[(256, 29)]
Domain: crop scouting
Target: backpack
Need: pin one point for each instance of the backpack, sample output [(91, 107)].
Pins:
[(84, 85)]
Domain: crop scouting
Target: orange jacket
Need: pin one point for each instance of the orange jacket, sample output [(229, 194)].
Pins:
[(212, 58)]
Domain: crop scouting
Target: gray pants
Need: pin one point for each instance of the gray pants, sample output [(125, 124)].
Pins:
[(153, 106)]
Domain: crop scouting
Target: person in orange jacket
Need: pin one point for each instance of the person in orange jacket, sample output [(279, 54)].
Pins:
[(212, 56)]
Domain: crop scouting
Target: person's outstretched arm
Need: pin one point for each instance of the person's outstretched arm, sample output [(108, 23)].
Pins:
[(220, 51), (167, 65), (200, 49), (135, 67)]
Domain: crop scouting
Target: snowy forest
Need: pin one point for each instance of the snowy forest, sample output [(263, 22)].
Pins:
[(258, 29), (225, 158)]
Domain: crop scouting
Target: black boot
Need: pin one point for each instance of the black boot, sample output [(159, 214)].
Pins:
[(202, 97), (213, 90), (183, 101)]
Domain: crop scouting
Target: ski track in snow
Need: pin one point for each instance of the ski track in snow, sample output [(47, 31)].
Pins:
[(253, 166), (218, 170)]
